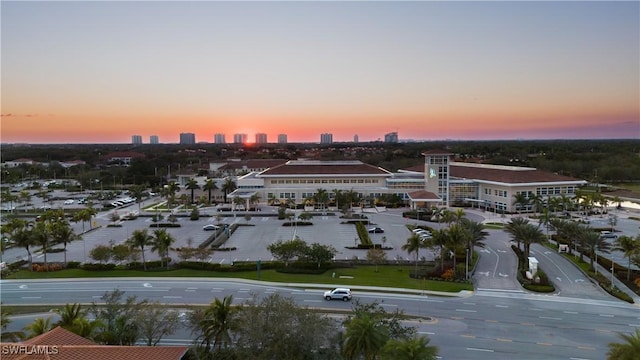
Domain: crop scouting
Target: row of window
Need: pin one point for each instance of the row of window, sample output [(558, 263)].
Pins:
[(326, 181), (556, 190), (496, 192)]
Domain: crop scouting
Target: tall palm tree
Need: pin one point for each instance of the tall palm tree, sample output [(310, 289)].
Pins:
[(161, 243), (537, 201), (338, 196), (457, 238), (217, 323), (630, 247), (416, 348), (61, 232), (140, 239), (522, 231), (254, 199), (364, 337), (520, 201), (21, 237), (321, 197), (413, 244), (591, 241), (42, 236), (513, 227), (439, 239), (137, 192), (210, 186), (459, 215), (228, 187), (628, 350), (192, 185)]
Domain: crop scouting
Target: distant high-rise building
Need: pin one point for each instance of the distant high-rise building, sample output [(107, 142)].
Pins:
[(153, 139), (261, 138), (356, 138), (239, 138), (391, 137), (136, 140), (187, 138), (282, 138), (326, 138), (219, 139)]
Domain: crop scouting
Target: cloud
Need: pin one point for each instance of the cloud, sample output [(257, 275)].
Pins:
[(6, 115)]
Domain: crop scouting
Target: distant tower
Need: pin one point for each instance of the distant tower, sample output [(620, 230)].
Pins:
[(282, 138), (261, 138), (219, 139), (187, 138), (153, 139), (136, 140), (356, 139), (239, 138), (391, 137), (326, 138)]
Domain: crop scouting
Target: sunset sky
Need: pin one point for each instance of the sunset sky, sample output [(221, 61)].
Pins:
[(100, 72)]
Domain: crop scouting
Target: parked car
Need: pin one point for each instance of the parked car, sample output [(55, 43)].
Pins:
[(210, 227), (376, 230), (338, 294), (608, 235), (68, 202)]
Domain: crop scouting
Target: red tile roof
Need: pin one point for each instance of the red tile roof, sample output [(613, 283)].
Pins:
[(325, 168), (423, 195), (60, 344), (503, 174)]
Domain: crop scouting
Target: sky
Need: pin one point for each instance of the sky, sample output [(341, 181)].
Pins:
[(100, 72)]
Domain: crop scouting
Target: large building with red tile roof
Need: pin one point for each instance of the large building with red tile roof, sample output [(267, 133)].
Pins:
[(438, 181), (61, 344)]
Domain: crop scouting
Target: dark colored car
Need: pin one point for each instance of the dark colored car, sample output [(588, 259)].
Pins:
[(376, 230)]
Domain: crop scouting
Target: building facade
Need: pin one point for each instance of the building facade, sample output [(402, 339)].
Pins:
[(219, 139), (282, 138), (187, 138), (391, 137), (239, 138), (261, 138), (326, 138), (153, 139), (136, 140)]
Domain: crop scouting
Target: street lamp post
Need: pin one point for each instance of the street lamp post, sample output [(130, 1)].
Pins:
[(466, 275), (612, 274)]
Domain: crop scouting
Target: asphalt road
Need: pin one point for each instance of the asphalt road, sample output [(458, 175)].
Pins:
[(488, 325)]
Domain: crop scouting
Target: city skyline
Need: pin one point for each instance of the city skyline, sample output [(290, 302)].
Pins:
[(425, 70)]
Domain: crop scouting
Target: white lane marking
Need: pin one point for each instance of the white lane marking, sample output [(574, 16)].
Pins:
[(468, 303), (570, 312), (314, 301), (476, 349), (426, 332), (606, 315), (549, 318), (465, 310), (172, 297), (32, 297), (502, 306)]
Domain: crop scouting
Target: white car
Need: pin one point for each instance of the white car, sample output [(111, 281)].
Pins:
[(210, 227), (338, 294), (68, 202)]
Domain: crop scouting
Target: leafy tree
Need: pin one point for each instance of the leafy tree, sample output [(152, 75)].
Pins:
[(319, 253), (287, 250), (140, 239), (119, 318), (120, 252), (69, 314), (275, 327), (154, 322), (203, 253), (228, 187), (628, 349), (100, 253), (376, 256)]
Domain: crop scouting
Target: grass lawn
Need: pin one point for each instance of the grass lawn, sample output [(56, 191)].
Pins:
[(387, 276), (630, 186)]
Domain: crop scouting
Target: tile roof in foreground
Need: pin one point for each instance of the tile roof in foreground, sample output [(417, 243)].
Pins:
[(324, 168), (61, 344)]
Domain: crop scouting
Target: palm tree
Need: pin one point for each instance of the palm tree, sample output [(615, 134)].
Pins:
[(628, 350), (513, 226), (365, 337), (217, 323), (592, 242), (254, 199), (140, 239), (439, 239), (210, 186), (630, 247), (413, 244), (38, 327), (338, 196), (228, 187), (537, 201), (161, 242), (416, 348), (137, 192), (192, 185), (61, 232), (69, 314), (457, 237), (459, 215), (522, 231), (42, 236), (321, 197), (21, 236), (521, 201)]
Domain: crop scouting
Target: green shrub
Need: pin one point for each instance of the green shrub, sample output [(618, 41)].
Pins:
[(73, 264), (98, 267), (165, 225)]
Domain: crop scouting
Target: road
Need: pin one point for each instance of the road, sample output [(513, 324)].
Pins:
[(488, 325)]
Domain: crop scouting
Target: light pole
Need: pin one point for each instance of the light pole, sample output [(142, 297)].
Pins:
[(612, 274)]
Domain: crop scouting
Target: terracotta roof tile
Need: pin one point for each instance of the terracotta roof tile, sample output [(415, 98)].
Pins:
[(423, 195), (508, 175), (325, 168), (58, 336)]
